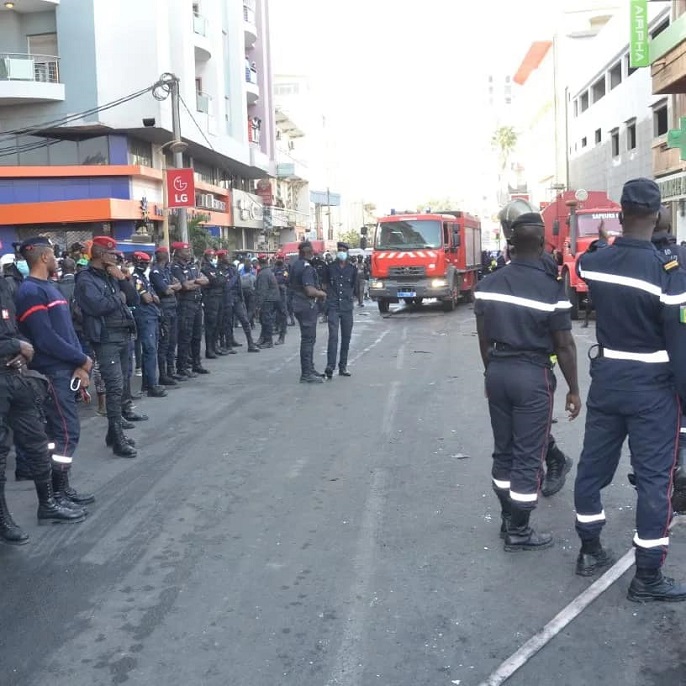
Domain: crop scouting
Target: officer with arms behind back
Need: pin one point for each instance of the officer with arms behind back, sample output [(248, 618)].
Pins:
[(638, 371), (303, 280), (522, 318)]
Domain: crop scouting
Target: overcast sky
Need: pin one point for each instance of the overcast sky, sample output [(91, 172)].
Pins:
[(397, 82)]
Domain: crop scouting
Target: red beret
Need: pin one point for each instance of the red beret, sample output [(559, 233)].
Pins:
[(180, 246), (209, 251), (105, 242), (261, 256), (143, 256), (222, 253), (161, 248)]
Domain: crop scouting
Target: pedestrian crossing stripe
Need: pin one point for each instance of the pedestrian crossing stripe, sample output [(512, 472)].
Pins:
[(682, 314)]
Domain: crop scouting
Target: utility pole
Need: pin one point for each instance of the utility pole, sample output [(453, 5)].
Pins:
[(177, 148)]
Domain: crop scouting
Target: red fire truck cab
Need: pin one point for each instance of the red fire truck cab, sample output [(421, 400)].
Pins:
[(419, 256)]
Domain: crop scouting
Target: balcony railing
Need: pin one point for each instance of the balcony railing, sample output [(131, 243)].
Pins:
[(202, 102), (199, 24), (251, 75), (248, 14), (22, 67)]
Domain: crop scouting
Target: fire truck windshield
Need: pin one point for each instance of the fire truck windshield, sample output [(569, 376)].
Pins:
[(589, 224), (408, 234)]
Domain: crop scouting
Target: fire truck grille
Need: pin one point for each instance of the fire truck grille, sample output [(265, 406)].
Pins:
[(406, 272)]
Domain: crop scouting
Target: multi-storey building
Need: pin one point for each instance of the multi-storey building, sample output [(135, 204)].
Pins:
[(78, 156), (613, 118)]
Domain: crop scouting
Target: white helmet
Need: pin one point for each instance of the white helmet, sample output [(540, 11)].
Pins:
[(7, 259)]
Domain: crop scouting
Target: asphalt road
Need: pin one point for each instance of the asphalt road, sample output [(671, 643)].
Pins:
[(278, 534)]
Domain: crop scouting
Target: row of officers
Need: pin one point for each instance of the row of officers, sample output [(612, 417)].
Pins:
[(638, 383)]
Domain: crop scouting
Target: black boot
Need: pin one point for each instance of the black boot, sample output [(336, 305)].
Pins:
[(312, 377), (343, 371), (260, 340), (198, 368), (157, 392), (131, 416), (252, 348), (558, 466), (49, 510), (592, 558), (505, 510), (649, 586), (63, 490), (291, 321), (328, 373), (110, 437), (165, 376), (267, 343), (9, 531), (281, 340), (127, 426), (235, 344), (520, 536), (120, 445), (210, 353)]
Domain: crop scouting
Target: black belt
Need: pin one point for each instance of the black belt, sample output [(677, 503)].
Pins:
[(505, 348)]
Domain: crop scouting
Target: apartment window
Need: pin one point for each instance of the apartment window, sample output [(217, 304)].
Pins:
[(660, 120), (598, 89), (631, 135), (584, 101), (205, 171), (598, 136), (576, 108), (140, 152), (616, 75), (614, 135), (584, 142), (629, 69), (659, 28)]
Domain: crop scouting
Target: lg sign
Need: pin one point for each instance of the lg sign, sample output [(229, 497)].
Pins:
[(180, 188)]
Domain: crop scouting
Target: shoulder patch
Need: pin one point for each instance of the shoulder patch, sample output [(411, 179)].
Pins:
[(672, 264)]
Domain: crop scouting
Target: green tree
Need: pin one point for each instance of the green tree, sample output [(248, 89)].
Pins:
[(351, 237), (198, 236), (504, 140), (440, 205)]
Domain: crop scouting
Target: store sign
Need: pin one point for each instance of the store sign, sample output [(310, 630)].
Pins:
[(248, 210), (672, 187), (639, 55), (180, 188)]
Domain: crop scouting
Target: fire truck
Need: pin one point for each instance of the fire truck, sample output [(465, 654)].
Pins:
[(418, 256), (572, 222)]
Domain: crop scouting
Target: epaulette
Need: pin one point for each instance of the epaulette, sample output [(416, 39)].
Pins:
[(671, 265)]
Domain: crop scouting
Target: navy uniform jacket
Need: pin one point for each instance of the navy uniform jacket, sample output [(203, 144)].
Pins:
[(266, 287), (217, 281), (233, 290), (9, 331), (186, 272), (281, 274), (142, 286), (522, 305), (666, 244), (161, 280), (98, 297), (340, 286), (302, 274), (640, 299)]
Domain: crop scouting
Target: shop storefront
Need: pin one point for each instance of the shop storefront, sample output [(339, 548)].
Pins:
[(673, 190), (248, 221)]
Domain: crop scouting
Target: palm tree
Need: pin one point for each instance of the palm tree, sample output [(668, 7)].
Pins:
[(505, 141)]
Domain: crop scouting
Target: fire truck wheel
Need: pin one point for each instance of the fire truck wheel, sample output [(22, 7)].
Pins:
[(450, 304), (573, 298), (384, 305)]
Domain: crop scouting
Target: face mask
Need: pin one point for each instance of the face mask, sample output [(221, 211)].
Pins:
[(342, 256), (23, 267), (214, 262)]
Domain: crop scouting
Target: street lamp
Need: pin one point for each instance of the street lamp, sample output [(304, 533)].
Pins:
[(9, 5)]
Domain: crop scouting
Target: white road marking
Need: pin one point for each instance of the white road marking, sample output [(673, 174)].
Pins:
[(297, 467), (348, 667), (368, 348)]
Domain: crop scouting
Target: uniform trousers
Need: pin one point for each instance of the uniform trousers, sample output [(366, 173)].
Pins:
[(281, 312), (342, 320), (148, 325), (250, 304), (651, 420), (520, 402), (113, 358), (61, 414), (166, 345), (21, 400), (190, 334), (307, 314), (212, 304), (235, 311), (267, 319)]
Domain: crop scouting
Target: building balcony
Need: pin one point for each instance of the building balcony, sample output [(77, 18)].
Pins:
[(290, 170), (30, 6), (29, 78), (203, 102), (249, 25), (666, 160), (251, 86), (668, 58), (202, 46)]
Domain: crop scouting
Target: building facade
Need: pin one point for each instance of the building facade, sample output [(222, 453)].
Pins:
[(84, 136)]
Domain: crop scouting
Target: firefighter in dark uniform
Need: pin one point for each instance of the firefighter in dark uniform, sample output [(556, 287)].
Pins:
[(147, 315), (213, 301), (190, 311), (638, 371), (303, 282), (557, 464), (166, 287), (281, 274), (341, 284), (522, 319)]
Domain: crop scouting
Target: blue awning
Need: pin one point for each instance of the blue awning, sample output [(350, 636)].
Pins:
[(324, 198)]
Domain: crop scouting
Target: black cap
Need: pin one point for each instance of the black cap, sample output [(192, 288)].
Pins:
[(527, 219), (342, 246), (30, 243), (641, 194)]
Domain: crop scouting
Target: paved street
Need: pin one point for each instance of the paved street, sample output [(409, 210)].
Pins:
[(277, 534)]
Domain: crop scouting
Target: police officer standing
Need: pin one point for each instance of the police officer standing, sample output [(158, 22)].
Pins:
[(147, 315), (268, 298), (281, 274), (638, 372), (166, 287), (306, 294), (213, 301), (190, 311), (341, 284), (522, 318), (320, 267)]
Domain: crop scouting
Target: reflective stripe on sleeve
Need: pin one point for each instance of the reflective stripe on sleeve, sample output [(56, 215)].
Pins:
[(61, 459), (51, 446), (520, 302), (524, 497), (502, 485), (650, 542), (618, 280), (651, 358), (587, 519)]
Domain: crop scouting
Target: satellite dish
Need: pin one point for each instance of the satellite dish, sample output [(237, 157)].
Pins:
[(581, 195)]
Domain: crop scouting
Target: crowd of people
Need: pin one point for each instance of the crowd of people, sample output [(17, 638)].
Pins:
[(93, 318)]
